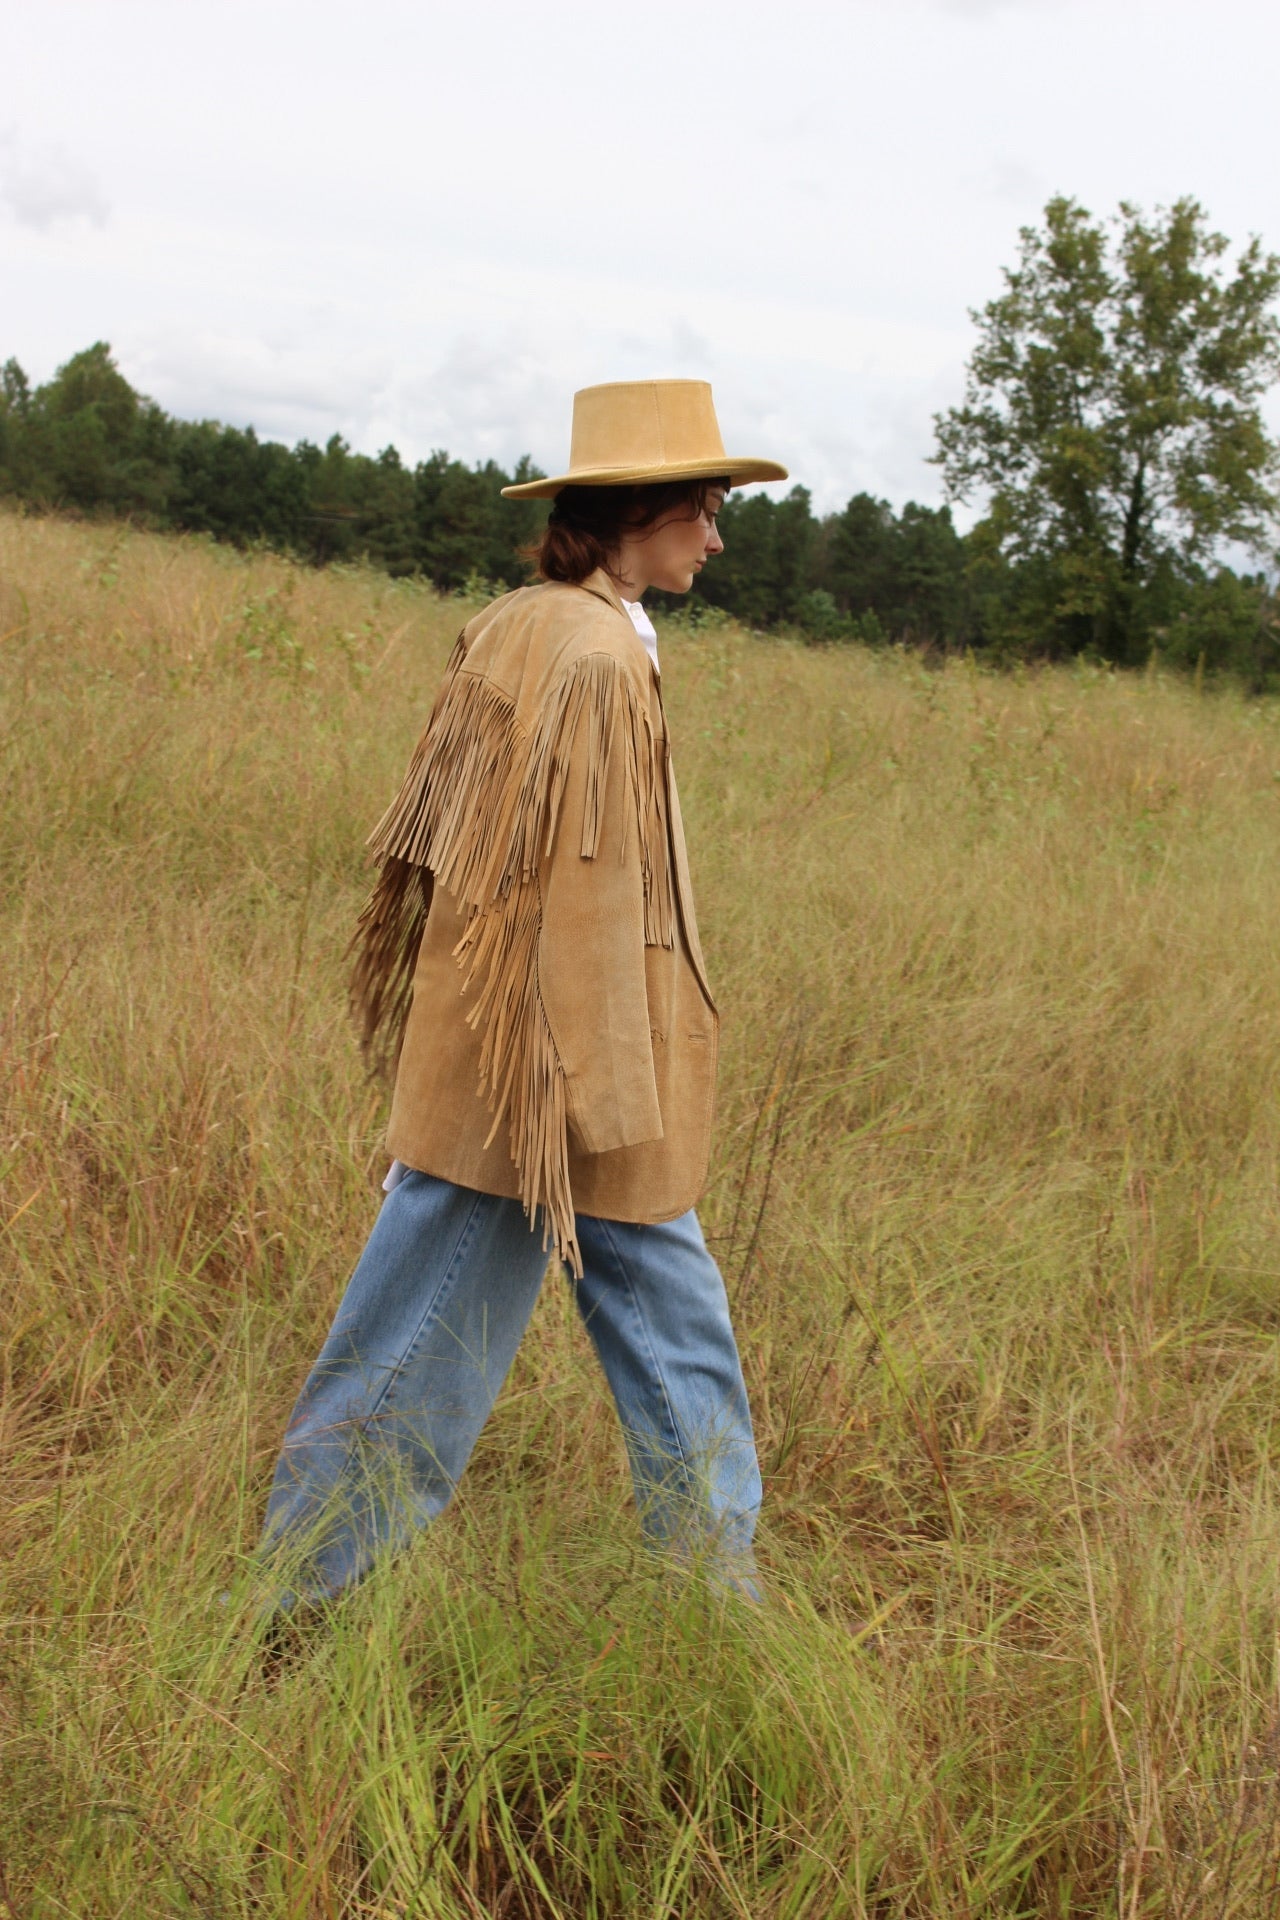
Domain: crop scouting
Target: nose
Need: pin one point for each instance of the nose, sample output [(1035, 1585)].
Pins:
[(714, 543)]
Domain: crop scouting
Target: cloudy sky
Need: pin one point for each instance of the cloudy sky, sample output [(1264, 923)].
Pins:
[(427, 224)]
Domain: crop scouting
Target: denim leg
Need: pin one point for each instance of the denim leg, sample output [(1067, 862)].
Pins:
[(654, 1304), (389, 1414)]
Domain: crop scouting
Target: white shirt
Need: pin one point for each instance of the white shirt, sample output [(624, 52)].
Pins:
[(644, 627)]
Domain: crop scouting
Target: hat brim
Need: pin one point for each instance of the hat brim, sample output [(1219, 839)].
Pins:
[(737, 472)]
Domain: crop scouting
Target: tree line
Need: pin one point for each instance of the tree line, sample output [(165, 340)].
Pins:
[(1111, 429), (86, 441)]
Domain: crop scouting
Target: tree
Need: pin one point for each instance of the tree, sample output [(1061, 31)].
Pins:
[(929, 598), (92, 412), (907, 570), (1112, 414), (464, 529), (85, 439), (386, 500), (857, 554), (15, 409), (239, 488), (764, 570)]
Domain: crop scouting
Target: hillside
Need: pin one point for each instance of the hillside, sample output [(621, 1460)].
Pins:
[(994, 1190)]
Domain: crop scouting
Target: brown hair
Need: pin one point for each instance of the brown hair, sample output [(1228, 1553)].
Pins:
[(587, 523)]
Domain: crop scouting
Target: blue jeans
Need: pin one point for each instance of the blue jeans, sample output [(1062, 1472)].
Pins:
[(423, 1340)]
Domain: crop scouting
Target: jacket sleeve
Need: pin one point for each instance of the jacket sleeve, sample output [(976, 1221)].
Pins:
[(596, 880)]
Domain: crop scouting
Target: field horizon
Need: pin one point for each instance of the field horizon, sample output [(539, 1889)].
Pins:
[(994, 1191)]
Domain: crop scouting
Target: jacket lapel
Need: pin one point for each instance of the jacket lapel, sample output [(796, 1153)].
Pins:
[(679, 855), (600, 584)]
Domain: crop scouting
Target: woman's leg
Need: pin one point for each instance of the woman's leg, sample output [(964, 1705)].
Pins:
[(654, 1304), (387, 1419)]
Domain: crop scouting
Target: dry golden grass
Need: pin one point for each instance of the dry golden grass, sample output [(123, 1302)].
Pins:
[(995, 1193)]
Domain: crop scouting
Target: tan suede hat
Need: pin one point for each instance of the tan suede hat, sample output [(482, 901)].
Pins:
[(641, 432)]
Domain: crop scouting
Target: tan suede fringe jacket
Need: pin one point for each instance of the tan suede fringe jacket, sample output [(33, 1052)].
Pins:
[(530, 946)]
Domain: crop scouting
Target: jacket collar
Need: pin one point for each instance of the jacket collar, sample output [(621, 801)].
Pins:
[(599, 583), (603, 587)]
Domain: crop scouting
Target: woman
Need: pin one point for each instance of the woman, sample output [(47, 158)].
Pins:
[(530, 958)]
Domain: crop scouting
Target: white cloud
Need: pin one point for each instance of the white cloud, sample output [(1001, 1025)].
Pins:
[(475, 395), (987, 9), (803, 213), (1012, 180), (282, 387), (691, 349), (43, 185)]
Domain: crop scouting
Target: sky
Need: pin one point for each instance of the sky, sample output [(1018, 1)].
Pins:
[(427, 225)]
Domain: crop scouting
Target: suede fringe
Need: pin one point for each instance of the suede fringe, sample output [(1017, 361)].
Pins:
[(478, 810)]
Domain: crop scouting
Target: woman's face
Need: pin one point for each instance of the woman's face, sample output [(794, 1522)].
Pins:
[(676, 548)]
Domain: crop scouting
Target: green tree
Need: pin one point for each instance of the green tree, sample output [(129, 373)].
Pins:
[(92, 413), (904, 575), (335, 491), (15, 409), (855, 558), (15, 388), (385, 495), (85, 439), (764, 571), (928, 598), (229, 483), (465, 529), (1226, 623), (1112, 415)]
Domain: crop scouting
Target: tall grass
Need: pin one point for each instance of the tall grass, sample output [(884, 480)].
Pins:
[(995, 1193)]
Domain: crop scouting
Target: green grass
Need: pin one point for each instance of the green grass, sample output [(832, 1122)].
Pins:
[(995, 1193)]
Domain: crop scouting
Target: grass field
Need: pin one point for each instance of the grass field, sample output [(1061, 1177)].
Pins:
[(995, 1193)]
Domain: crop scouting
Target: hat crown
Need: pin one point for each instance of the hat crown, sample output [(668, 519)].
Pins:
[(645, 424), (642, 432)]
